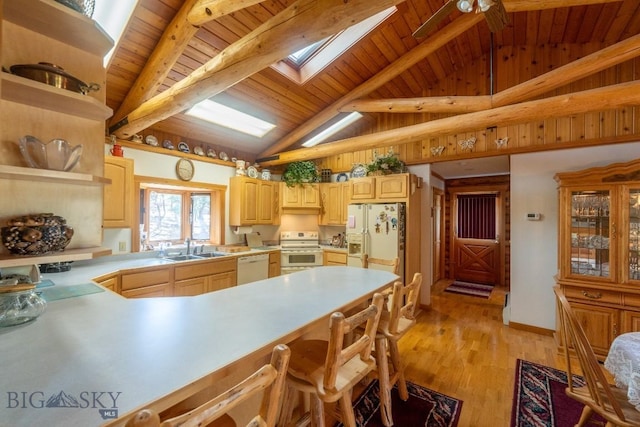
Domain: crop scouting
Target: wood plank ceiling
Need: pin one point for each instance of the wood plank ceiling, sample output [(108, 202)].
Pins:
[(270, 95)]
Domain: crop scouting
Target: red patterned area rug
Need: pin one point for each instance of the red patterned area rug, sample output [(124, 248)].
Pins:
[(539, 399), (424, 407), (467, 288)]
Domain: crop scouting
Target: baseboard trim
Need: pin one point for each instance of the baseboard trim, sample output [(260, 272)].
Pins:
[(534, 329)]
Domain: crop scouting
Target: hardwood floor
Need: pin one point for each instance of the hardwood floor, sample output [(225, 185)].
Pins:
[(460, 347)]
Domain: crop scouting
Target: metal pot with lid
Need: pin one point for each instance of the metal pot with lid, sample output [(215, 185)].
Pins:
[(53, 75)]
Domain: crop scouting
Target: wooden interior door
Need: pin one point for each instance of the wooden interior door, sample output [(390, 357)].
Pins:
[(437, 233), (475, 245)]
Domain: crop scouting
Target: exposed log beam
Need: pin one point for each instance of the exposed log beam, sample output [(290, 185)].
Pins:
[(561, 76), (606, 98), (302, 23), (590, 64), (169, 48), (435, 104), (415, 55), (208, 10), (527, 5), (424, 49)]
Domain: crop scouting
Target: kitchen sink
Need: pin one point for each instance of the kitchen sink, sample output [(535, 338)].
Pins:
[(210, 254), (183, 257)]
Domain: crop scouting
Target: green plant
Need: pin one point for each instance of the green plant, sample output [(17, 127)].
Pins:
[(300, 173), (386, 164)]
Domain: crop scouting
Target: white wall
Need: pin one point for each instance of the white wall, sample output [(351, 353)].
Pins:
[(534, 245)]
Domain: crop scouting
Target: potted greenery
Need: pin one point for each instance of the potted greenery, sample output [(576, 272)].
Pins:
[(384, 165), (300, 173)]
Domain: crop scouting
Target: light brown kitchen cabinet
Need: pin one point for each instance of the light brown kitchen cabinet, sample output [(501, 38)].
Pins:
[(109, 281), (362, 188), (394, 186), (27, 107), (335, 200), (274, 263), (118, 196), (147, 282), (305, 196), (198, 277), (599, 248), (334, 257), (253, 201)]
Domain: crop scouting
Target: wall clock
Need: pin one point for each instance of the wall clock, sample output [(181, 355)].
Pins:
[(185, 169)]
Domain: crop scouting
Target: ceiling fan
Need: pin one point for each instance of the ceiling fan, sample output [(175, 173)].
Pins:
[(493, 10)]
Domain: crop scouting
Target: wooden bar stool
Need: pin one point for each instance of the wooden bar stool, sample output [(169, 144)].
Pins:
[(392, 265), (269, 379), (327, 371)]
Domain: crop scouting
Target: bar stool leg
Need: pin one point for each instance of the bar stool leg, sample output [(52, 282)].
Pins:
[(383, 380), (346, 407), (399, 369), (317, 412)]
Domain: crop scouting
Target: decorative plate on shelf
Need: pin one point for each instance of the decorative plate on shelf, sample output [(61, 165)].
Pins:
[(252, 172), (342, 177), (358, 171), (223, 156), (212, 153), (199, 151), (167, 144), (182, 146), (151, 140)]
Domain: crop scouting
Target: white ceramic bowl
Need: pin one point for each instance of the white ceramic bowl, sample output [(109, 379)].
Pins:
[(56, 154)]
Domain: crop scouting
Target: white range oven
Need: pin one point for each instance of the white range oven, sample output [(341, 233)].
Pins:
[(300, 250)]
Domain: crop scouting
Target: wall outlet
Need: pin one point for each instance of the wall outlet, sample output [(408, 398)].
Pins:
[(122, 246)]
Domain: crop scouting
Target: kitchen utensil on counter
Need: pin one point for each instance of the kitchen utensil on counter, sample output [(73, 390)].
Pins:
[(254, 240), (337, 241), (56, 154), (36, 234), (53, 75), (20, 304)]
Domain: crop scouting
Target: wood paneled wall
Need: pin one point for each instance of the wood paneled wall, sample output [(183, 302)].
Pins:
[(512, 65)]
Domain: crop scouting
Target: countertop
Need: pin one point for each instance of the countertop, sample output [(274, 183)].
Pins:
[(91, 358)]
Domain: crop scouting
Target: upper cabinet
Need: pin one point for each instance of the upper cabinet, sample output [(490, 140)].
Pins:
[(36, 31), (300, 197), (253, 201), (118, 196), (393, 187), (599, 248), (335, 200)]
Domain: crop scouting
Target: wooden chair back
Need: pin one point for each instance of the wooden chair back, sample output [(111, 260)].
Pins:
[(269, 380), (392, 265), (597, 394), (341, 327), (404, 300)]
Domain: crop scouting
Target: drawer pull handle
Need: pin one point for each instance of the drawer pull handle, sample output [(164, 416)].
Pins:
[(597, 295)]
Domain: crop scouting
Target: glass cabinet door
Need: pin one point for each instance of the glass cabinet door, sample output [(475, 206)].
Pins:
[(631, 207), (591, 233)]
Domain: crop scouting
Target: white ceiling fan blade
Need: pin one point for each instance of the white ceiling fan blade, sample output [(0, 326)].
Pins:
[(431, 23)]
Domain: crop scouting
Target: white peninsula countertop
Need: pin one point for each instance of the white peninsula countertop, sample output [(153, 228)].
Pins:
[(95, 357)]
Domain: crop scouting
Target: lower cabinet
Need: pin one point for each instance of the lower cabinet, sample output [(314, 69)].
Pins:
[(331, 257), (199, 277), (274, 264), (110, 281), (147, 282)]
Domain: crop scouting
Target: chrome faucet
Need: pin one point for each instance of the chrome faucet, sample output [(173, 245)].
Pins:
[(187, 241)]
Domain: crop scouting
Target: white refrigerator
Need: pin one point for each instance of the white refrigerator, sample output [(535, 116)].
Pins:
[(376, 229)]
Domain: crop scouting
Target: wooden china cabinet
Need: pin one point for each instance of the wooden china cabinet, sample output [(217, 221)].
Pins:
[(599, 244)]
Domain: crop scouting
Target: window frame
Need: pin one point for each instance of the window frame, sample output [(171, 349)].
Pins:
[(218, 205)]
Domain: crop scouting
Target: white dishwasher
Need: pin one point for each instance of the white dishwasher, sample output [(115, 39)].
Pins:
[(252, 268)]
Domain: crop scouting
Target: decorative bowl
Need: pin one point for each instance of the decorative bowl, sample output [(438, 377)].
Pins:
[(36, 234), (56, 154), (20, 306)]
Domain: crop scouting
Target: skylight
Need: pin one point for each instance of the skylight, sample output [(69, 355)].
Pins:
[(113, 17), (306, 63), (333, 129), (222, 115)]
